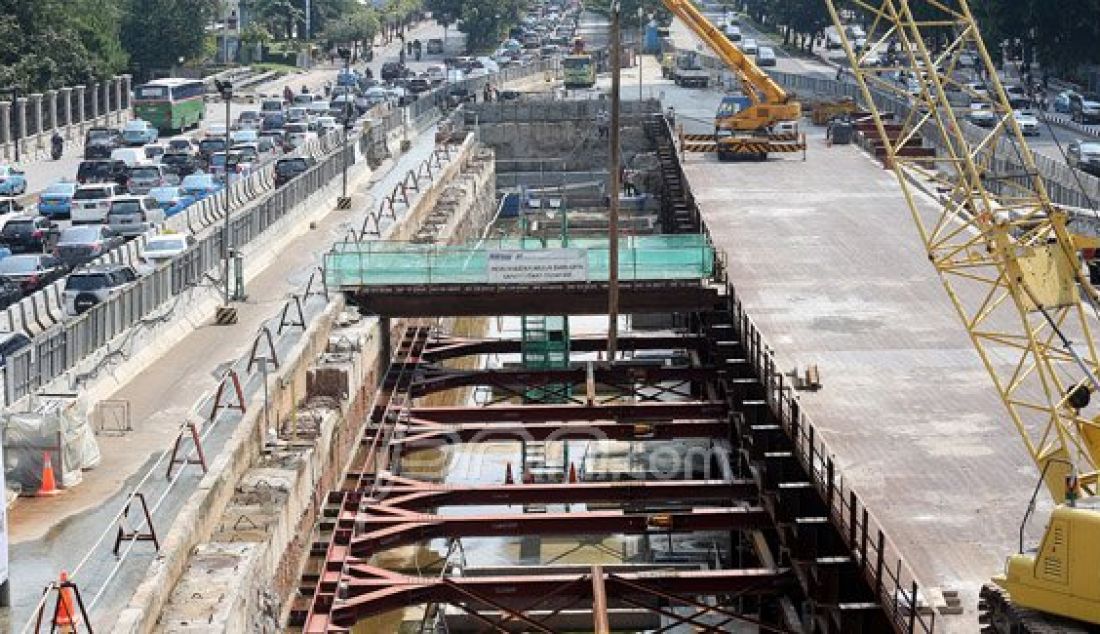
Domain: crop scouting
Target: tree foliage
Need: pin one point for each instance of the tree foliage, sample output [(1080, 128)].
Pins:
[(484, 22), (48, 44), (157, 33)]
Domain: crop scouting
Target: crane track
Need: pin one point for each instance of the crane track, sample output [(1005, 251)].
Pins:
[(997, 614)]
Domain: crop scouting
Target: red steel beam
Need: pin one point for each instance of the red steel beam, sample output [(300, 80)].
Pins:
[(454, 347), (437, 379), (670, 410), (377, 532), (370, 594), (412, 495), (418, 437)]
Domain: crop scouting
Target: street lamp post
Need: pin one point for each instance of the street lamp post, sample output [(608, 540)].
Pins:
[(226, 90), (345, 201)]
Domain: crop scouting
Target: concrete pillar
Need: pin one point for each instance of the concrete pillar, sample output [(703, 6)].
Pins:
[(67, 110), (94, 93), (21, 124), (81, 106), (51, 110), (5, 128), (106, 102), (36, 113), (117, 82), (127, 89)]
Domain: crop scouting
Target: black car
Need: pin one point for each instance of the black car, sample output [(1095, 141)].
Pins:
[(210, 146), (393, 70), (32, 271), (286, 169), (418, 85), (10, 342), (100, 142), (102, 171), (180, 163), (27, 234), (458, 95)]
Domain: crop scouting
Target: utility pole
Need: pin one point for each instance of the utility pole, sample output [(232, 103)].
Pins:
[(226, 90), (641, 35), (614, 168), (345, 201)]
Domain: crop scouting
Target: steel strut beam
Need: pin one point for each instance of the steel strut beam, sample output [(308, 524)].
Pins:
[(623, 413), (381, 527), (372, 591), (451, 347), (410, 495)]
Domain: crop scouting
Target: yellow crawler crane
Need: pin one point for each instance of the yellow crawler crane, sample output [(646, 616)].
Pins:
[(748, 128), (1010, 264)]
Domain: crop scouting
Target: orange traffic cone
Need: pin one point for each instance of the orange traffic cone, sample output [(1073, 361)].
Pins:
[(508, 477), (65, 615), (49, 484), (573, 473)]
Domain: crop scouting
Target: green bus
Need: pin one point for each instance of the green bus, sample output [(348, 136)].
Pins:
[(170, 104), (580, 71)]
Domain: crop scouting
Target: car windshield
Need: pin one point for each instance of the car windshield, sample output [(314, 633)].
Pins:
[(152, 92), (98, 134), (212, 145), (290, 167), (66, 189), (196, 182), (18, 264), (166, 244), (180, 144), (164, 194), (87, 281), (175, 158), (135, 126), (91, 193), (15, 227), (217, 160), (144, 172), (79, 235), (1091, 96), (125, 207)]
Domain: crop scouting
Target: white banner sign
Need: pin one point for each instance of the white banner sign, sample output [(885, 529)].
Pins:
[(544, 265)]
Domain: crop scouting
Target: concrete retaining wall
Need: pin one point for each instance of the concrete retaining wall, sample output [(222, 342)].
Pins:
[(261, 576)]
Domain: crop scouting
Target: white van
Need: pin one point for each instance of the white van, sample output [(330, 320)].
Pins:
[(131, 156)]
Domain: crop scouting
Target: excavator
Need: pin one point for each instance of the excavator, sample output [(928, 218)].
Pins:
[(750, 126), (1011, 262)]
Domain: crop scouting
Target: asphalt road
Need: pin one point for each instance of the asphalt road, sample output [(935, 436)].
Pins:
[(42, 173)]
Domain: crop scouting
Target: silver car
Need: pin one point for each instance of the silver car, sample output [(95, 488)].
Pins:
[(1084, 155)]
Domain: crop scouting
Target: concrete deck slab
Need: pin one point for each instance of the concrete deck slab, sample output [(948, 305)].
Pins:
[(826, 259)]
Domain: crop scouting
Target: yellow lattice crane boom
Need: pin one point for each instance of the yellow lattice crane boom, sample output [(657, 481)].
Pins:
[(1010, 264)]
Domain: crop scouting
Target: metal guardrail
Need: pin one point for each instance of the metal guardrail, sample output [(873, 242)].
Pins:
[(1065, 185)]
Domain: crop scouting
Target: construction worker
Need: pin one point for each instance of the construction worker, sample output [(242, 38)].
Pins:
[(603, 120)]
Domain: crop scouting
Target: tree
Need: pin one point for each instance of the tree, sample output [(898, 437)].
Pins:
[(279, 17), (157, 33), (53, 43), (357, 29)]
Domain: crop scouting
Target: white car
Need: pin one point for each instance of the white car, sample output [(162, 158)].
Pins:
[(214, 130), (91, 203), (165, 247), (326, 124), (982, 114), (749, 46), (1028, 122)]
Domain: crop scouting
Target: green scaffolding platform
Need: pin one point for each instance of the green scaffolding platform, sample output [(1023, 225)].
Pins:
[(641, 258)]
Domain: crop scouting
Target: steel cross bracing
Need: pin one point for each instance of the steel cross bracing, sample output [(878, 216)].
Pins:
[(377, 508), (1008, 261)]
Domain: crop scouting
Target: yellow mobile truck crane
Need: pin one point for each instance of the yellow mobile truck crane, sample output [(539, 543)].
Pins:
[(748, 127), (1010, 261)]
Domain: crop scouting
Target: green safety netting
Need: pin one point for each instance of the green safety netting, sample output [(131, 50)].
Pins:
[(381, 263)]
